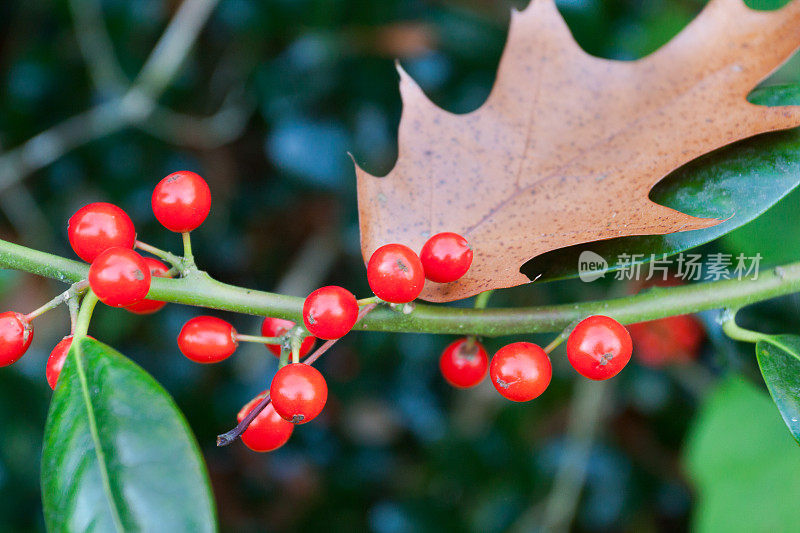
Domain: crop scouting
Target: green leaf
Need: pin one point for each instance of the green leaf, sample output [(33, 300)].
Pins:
[(118, 454), (743, 463), (779, 360), (740, 181)]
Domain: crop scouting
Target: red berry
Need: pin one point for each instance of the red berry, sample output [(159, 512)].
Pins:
[(16, 334), (181, 201), (119, 277), (395, 273), (298, 392), (146, 307), (521, 371), (207, 339), (56, 360), (268, 431), (97, 227), (277, 327), (674, 339), (446, 257), (463, 365), (599, 347), (330, 312)]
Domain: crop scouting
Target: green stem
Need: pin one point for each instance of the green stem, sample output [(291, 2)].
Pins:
[(258, 338), (199, 289), (564, 335), (188, 256), (72, 305), (284, 359), (170, 258), (65, 296), (85, 314), (482, 300), (738, 333)]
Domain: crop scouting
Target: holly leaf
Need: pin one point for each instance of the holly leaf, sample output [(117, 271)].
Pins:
[(779, 361), (118, 454), (567, 146)]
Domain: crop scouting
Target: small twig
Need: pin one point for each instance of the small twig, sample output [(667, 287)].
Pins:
[(235, 433), (96, 47), (133, 107), (74, 290), (73, 305), (202, 132), (589, 407), (173, 46)]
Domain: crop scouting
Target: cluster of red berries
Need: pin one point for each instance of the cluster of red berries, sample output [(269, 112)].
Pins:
[(397, 275), (298, 391), (103, 235), (598, 348)]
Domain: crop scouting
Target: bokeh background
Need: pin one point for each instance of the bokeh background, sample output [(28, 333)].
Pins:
[(270, 99)]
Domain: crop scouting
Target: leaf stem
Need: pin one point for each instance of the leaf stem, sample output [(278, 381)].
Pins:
[(85, 314), (735, 332), (482, 300)]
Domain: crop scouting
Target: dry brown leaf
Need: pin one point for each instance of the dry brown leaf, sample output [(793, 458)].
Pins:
[(567, 146)]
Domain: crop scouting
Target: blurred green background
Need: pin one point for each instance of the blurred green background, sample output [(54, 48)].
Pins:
[(291, 86)]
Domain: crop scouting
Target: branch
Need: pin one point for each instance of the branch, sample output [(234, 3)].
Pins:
[(135, 106), (96, 47), (199, 289), (173, 47), (201, 132), (591, 404)]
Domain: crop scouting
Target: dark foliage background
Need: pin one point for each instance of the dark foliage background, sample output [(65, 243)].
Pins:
[(396, 449)]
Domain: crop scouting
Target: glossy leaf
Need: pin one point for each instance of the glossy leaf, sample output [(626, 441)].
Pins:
[(779, 360), (737, 183), (742, 463), (118, 454)]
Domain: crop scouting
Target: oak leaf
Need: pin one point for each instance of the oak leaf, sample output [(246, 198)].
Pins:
[(567, 146)]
